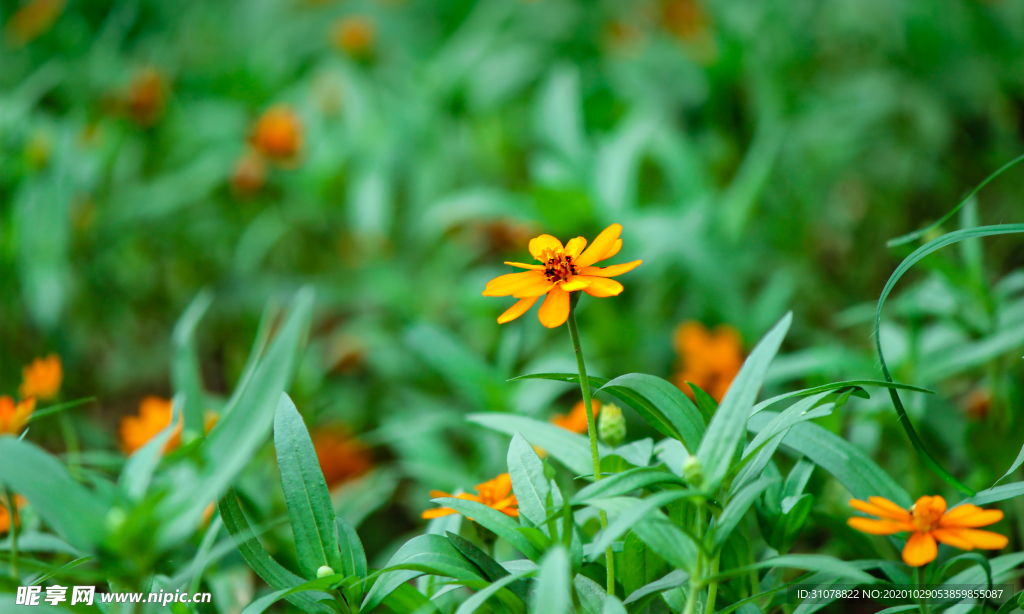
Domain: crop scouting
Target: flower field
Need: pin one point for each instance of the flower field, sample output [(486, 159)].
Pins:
[(512, 306)]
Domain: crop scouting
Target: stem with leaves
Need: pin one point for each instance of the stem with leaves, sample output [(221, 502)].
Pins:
[(574, 334)]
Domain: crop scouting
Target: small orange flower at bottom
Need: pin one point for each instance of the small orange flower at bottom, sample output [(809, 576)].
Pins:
[(576, 419), (13, 416), (927, 521), (5, 515), (495, 494)]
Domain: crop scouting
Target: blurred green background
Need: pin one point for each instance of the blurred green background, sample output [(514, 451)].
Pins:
[(758, 153)]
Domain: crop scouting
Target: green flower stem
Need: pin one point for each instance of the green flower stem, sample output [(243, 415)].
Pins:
[(696, 578), (922, 602), (574, 334), (12, 514)]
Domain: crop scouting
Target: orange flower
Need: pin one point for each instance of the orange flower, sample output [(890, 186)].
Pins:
[(342, 458), (576, 420), (278, 134), (710, 359), (978, 403), (928, 521), (495, 494), (354, 35), (250, 174), (14, 416), (41, 379), (146, 97), (5, 515), (684, 18), (155, 414), (564, 269), (31, 20)]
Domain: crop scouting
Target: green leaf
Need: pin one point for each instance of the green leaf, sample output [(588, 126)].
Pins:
[(501, 524), (705, 402), (640, 564), (305, 492), (138, 470), (854, 470), (591, 594), (909, 261), (262, 563), (1016, 464), (836, 386), (661, 405), (260, 605), (570, 449), (728, 425), (651, 526), (735, 510), (351, 547), (811, 562), (424, 554), (670, 580), (528, 481), (568, 378), (74, 512), (626, 482), (998, 493), (612, 605), (552, 594), (641, 509), (471, 605), (492, 569), (186, 377)]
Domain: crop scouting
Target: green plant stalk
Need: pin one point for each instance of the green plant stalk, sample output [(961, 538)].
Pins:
[(712, 586), (12, 513), (574, 334), (921, 602), (697, 576), (70, 443)]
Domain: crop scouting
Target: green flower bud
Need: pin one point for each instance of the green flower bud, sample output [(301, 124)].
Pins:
[(324, 571), (611, 425), (693, 472), (116, 518)]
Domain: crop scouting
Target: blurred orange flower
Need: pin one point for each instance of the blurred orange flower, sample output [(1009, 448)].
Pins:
[(5, 515), (978, 403), (576, 419), (506, 234), (250, 173), (14, 416), (927, 520), (31, 20), (684, 18), (354, 35), (278, 134), (155, 414), (342, 458), (147, 95), (495, 494), (564, 269), (709, 359), (41, 378)]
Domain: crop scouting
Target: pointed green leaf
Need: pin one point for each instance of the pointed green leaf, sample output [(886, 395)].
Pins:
[(661, 405), (528, 481)]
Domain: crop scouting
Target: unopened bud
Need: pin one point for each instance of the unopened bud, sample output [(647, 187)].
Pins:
[(116, 518), (611, 425), (324, 571), (693, 472)]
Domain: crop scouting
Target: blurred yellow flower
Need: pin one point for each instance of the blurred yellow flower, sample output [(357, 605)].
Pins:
[(495, 494), (278, 134), (155, 414), (13, 416), (342, 458), (709, 359), (564, 269), (5, 515), (147, 94), (576, 419), (41, 378), (31, 20), (927, 521), (354, 35)]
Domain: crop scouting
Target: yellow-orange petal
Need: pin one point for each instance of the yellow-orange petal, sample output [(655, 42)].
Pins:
[(541, 243), (536, 288), (602, 287), (970, 516), (575, 247), (888, 509), (555, 309), (921, 549), (513, 312), (953, 537), (437, 512), (600, 247), (525, 266), (437, 494), (574, 283), (878, 527), (614, 249), (507, 284), (511, 511), (986, 540), (611, 271)]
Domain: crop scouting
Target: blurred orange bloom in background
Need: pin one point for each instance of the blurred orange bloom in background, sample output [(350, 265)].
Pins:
[(278, 134), (155, 414), (31, 20), (927, 520), (563, 269), (5, 515), (342, 457), (354, 35), (147, 95), (710, 359), (14, 416), (42, 378), (495, 494), (250, 173), (576, 419)]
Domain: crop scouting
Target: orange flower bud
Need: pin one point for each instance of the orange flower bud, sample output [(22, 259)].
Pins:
[(278, 134)]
